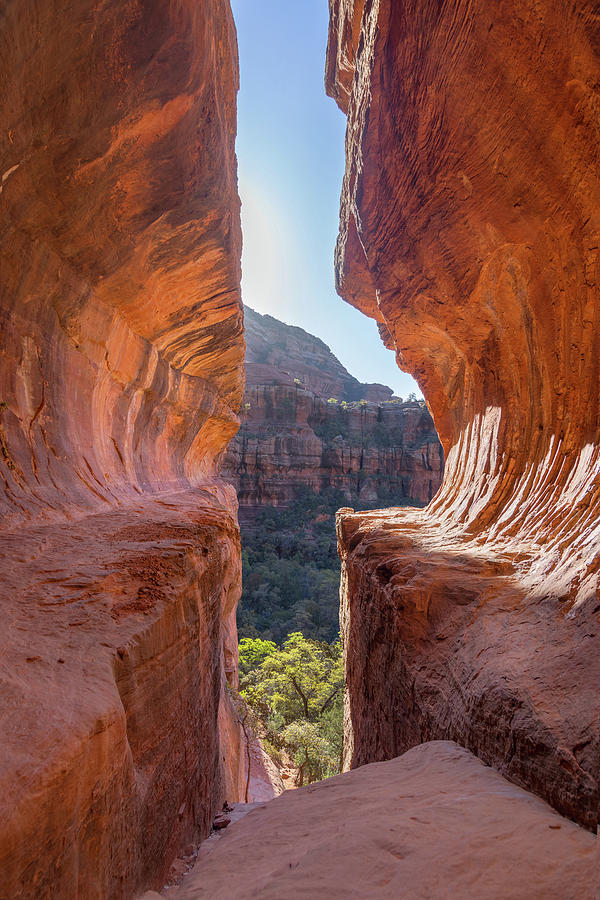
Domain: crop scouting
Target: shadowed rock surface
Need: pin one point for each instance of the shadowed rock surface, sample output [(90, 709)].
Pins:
[(293, 436), (469, 230), (432, 823), (120, 381)]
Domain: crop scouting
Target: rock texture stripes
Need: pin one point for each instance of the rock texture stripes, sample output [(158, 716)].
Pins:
[(469, 232), (121, 374)]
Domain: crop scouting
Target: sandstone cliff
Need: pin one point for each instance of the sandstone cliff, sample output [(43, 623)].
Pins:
[(307, 423), (469, 230), (120, 380)]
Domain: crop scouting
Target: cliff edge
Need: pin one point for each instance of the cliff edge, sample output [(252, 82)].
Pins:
[(307, 424)]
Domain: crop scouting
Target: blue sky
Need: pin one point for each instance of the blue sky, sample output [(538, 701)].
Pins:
[(290, 151)]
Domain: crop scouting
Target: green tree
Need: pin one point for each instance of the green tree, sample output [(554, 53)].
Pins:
[(296, 692), (303, 679), (291, 569), (252, 653), (310, 750)]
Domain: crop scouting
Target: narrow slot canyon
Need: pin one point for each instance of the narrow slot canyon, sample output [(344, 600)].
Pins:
[(146, 415)]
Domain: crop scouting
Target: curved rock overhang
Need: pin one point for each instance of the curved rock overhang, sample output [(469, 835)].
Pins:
[(469, 230), (121, 374), (121, 240)]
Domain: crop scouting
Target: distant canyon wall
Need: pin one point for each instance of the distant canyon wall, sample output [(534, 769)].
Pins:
[(290, 439), (469, 231), (308, 424), (277, 353), (120, 381)]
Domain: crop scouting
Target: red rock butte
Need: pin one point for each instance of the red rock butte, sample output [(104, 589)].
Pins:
[(120, 379), (470, 231), (308, 423)]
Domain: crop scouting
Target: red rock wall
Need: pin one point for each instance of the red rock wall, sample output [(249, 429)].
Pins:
[(120, 232), (469, 231), (120, 380)]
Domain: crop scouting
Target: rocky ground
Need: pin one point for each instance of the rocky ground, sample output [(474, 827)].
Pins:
[(434, 823)]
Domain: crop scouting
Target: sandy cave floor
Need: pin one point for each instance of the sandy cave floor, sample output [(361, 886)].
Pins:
[(433, 823)]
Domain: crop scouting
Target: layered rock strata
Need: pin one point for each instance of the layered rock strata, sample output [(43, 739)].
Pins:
[(120, 380), (469, 231), (433, 823), (307, 423)]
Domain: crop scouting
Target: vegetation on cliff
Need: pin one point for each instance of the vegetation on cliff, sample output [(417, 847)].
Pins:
[(307, 423), (313, 439), (295, 692), (291, 570)]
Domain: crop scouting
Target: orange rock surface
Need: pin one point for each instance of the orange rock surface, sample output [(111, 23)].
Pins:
[(290, 439), (434, 823), (113, 657), (121, 319), (120, 381), (469, 229)]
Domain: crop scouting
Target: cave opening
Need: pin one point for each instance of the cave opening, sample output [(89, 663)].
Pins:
[(328, 420), (470, 622)]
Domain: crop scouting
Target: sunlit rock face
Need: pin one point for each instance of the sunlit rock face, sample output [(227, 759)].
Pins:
[(121, 242), (120, 381), (469, 230), (308, 423)]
